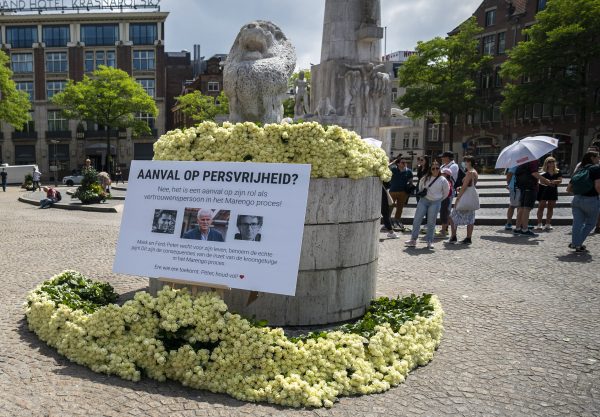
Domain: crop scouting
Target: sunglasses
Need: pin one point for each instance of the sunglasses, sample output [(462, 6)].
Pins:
[(436, 168)]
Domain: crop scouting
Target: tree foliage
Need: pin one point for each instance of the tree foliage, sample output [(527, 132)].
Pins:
[(109, 97), (440, 79), (200, 107), (556, 60), (14, 104)]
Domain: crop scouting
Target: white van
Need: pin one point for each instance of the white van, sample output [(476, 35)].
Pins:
[(16, 173)]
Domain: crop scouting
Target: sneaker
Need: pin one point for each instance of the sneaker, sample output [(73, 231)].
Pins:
[(429, 245), (581, 248), (572, 246), (452, 240), (508, 226), (411, 243), (539, 227), (392, 235), (466, 241), (529, 233), (548, 227), (517, 232)]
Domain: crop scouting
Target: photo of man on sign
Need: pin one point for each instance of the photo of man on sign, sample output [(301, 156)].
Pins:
[(204, 228), (164, 221), (249, 227)]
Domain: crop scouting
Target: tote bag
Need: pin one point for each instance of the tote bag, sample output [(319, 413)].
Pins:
[(469, 201)]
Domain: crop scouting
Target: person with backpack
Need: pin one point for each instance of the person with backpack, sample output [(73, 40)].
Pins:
[(447, 163), (3, 174), (52, 196), (585, 184), (527, 178)]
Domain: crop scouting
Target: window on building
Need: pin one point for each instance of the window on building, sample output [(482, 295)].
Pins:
[(557, 110), (56, 62), (395, 144), (486, 115), (546, 110), (527, 112), (501, 43), (394, 94), (213, 86), (56, 121), (143, 33), (99, 35), (20, 63), (496, 114), (486, 80), (147, 118), (541, 5), (25, 154), (497, 77), (415, 140), (477, 116), (143, 151), (489, 44), (143, 60), (21, 36), (58, 153), (148, 85), (93, 59), (26, 86), (406, 140), (490, 17), (56, 36), (54, 87), (537, 110)]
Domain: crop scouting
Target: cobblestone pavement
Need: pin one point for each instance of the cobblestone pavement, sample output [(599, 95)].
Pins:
[(522, 328)]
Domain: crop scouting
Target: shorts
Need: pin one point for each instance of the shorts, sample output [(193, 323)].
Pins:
[(527, 198), (515, 197)]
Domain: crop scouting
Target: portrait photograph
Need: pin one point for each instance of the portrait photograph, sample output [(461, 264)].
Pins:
[(249, 227), (205, 224), (164, 221)]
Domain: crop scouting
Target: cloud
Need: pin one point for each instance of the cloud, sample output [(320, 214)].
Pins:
[(215, 24)]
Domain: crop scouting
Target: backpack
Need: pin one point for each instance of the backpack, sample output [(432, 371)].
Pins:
[(58, 196), (524, 179), (459, 179), (581, 182)]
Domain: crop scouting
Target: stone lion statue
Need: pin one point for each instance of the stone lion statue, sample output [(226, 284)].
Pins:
[(256, 73)]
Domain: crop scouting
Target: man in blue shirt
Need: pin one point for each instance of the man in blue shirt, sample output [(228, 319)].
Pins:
[(203, 230), (400, 187)]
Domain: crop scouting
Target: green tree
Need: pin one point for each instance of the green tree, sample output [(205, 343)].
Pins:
[(288, 107), (200, 107), (440, 78), (109, 97), (14, 104), (556, 61)]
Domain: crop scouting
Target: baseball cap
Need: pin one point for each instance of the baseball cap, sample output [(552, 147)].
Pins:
[(447, 154)]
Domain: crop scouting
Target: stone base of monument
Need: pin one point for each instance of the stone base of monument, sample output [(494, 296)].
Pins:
[(338, 262)]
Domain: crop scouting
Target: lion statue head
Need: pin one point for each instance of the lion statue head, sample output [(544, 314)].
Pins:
[(256, 73)]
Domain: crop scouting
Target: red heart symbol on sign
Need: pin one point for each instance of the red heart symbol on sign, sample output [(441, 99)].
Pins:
[(241, 276)]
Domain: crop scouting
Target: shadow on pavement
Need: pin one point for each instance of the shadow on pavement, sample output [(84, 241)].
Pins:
[(582, 258), (513, 240)]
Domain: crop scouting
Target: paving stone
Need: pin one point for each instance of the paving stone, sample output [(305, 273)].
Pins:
[(510, 303)]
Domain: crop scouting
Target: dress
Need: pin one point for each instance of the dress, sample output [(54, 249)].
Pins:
[(548, 193), (463, 217)]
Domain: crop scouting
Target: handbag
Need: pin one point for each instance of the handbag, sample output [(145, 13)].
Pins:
[(389, 198), (469, 201)]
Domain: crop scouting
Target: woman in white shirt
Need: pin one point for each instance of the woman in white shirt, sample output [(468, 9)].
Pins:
[(435, 189)]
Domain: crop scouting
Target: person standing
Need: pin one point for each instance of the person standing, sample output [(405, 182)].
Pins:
[(447, 162), (512, 196), (433, 188), (400, 185), (37, 175), (527, 187), (422, 170), (548, 194), (586, 205), (118, 176), (464, 217), (3, 174)]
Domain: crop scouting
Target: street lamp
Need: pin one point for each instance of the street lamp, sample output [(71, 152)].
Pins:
[(55, 142)]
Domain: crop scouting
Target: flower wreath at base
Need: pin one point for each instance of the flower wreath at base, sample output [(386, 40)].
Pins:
[(195, 340)]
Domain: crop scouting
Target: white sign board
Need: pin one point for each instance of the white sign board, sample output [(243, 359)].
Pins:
[(236, 224)]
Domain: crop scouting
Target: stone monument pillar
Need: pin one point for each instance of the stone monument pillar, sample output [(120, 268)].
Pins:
[(348, 87)]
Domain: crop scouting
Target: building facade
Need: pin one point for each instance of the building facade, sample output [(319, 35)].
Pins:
[(47, 50), (484, 132)]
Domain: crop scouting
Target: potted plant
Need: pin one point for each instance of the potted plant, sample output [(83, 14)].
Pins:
[(90, 191)]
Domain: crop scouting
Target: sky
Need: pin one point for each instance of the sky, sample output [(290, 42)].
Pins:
[(215, 24)]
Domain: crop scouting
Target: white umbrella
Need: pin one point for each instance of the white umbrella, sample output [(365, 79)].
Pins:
[(526, 150)]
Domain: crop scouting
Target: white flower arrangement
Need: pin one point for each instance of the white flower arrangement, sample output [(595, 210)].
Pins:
[(210, 348), (332, 151)]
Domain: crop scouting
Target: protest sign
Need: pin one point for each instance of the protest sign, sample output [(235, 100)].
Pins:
[(233, 224)]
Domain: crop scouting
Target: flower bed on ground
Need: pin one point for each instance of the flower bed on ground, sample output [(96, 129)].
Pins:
[(332, 151), (195, 340)]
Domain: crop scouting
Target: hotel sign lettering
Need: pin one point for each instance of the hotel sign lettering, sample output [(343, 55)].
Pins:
[(52, 5)]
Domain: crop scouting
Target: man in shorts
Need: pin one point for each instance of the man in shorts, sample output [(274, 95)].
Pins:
[(527, 176)]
